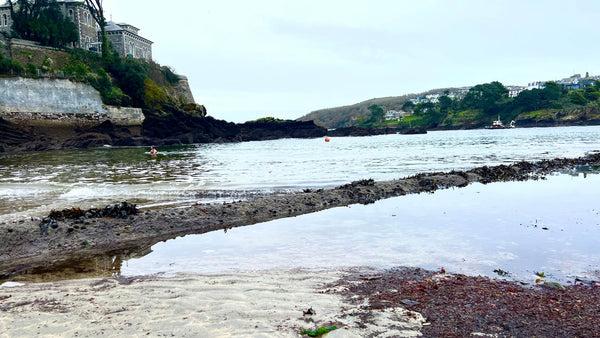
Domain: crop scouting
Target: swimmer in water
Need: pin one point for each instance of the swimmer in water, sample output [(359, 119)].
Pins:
[(153, 151)]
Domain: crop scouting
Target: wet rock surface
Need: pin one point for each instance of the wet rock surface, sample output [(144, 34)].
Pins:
[(360, 131), (176, 128), (23, 246)]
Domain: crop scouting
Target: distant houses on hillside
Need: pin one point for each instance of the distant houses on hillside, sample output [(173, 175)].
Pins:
[(570, 83), (454, 94), (124, 37), (573, 82), (394, 115)]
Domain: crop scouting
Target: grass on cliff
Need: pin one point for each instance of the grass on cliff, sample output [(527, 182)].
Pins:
[(125, 82)]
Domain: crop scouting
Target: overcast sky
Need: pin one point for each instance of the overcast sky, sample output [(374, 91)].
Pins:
[(252, 59)]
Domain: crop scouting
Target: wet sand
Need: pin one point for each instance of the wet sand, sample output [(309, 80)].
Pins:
[(272, 303), (360, 302)]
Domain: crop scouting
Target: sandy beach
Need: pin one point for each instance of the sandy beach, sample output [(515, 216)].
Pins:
[(360, 302), (270, 303)]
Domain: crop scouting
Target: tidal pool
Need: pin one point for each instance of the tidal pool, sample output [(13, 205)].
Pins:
[(549, 227)]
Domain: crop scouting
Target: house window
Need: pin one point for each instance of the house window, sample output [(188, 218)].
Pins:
[(4, 20), (71, 14)]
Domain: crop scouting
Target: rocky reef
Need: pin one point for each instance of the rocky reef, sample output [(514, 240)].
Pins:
[(174, 128)]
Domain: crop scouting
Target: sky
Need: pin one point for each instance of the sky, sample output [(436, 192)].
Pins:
[(250, 59)]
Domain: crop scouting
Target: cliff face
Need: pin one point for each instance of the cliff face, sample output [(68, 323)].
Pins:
[(51, 102), (183, 89), (50, 114)]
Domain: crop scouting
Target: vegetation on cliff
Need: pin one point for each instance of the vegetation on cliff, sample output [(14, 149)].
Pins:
[(120, 81), (483, 103), (124, 82)]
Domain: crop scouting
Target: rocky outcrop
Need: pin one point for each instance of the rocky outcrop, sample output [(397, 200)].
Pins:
[(179, 128), (12, 135), (268, 130), (359, 131), (584, 116), (175, 128)]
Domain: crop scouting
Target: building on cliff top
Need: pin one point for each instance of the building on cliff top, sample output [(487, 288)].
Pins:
[(124, 37), (5, 18), (127, 42)]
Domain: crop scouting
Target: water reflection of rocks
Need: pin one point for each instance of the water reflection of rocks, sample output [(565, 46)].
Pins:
[(102, 265)]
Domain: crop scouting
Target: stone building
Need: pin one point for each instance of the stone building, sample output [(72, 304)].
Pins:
[(126, 40), (124, 37), (5, 18), (87, 28)]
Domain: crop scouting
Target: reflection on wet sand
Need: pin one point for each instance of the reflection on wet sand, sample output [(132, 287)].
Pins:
[(105, 265)]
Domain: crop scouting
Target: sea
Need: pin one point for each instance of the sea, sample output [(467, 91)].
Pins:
[(545, 229)]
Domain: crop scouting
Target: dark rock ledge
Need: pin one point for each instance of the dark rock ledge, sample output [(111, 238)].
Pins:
[(28, 244)]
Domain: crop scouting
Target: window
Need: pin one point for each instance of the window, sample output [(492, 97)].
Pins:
[(71, 14), (4, 20)]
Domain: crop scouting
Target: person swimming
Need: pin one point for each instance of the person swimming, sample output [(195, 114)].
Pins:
[(153, 150)]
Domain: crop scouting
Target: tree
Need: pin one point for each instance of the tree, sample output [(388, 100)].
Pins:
[(577, 98), (487, 97), (535, 99), (591, 93), (97, 12), (42, 21), (377, 113), (408, 106), (445, 103), (551, 91)]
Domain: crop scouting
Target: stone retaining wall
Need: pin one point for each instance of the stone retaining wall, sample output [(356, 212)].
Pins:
[(24, 52), (59, 102)]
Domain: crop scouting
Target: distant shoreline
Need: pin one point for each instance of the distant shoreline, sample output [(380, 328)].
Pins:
[(185, 129)]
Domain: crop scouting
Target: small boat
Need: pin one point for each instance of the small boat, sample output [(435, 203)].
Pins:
[(497, 124)]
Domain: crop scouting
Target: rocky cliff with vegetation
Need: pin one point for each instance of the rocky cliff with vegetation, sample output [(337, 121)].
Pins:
[(169, 112)]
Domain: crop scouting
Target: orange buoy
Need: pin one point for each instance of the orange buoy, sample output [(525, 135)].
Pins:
[(327, 139)]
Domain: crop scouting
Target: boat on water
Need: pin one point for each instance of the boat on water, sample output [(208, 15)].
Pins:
[(497, 124)]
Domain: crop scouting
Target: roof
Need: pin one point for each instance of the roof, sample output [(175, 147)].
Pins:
[(112, 26)]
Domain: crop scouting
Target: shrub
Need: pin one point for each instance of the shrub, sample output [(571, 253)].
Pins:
[(30, 68), (169, 75), (8, 66), (75, 66), (154, 96), (577, 98)]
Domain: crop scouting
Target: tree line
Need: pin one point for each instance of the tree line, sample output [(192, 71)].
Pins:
[(484, 102)]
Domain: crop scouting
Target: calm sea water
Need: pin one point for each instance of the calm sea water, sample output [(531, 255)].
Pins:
[(31, 184), (550, 226), (521, 228)]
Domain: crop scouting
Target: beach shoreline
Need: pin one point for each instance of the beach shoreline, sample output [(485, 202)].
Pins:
[(26, 245)]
